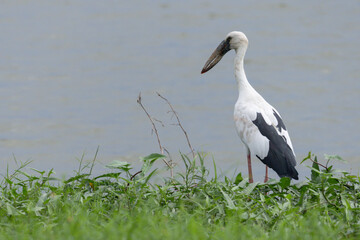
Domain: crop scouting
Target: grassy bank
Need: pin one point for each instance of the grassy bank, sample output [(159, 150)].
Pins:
[(126, 204)]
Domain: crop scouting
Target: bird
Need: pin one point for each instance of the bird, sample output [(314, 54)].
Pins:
[(258, 124)]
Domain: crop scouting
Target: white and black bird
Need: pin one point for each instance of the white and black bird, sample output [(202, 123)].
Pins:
[(258, 124)]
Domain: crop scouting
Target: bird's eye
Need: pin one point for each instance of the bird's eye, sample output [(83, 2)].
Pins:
[(228, 39)]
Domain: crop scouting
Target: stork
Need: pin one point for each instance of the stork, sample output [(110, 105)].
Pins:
[(258, 124)]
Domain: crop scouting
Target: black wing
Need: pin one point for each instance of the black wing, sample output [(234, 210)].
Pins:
[(280, 157)]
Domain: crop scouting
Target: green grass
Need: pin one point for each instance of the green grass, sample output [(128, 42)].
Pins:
[(192, 205)]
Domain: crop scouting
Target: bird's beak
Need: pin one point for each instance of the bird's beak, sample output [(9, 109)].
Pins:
[(216, 56)]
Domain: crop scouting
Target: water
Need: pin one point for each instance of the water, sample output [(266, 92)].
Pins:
[(70, 73)]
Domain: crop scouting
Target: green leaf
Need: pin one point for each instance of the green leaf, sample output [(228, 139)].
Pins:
[(215, 170), (284, 182), (8, 181), (348, 212), (149, 160), (38, 171), (315, 175), (333, 181), (72, 179), (238, 179), (153, 157), (11, 210), (306, 158), (229, 201), (148, 177), (125, 166), (109, 175), (243, 183), (250, 188), (262, 198), (334, 157)]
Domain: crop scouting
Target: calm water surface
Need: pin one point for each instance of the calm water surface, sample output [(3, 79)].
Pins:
[(70, 73)]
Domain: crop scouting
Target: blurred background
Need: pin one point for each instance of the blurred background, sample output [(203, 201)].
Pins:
[(71, 71)]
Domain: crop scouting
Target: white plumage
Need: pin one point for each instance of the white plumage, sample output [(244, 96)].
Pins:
[(258, 124)]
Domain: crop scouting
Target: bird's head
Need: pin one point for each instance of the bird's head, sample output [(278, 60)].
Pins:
[(234, 40)]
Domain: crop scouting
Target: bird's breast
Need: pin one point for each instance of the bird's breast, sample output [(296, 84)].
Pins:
[(243, 124)]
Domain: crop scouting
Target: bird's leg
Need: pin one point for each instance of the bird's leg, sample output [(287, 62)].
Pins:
[(249, 167), (266, 174)]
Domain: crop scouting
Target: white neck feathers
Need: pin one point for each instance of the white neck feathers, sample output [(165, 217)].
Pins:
[(240, 75)]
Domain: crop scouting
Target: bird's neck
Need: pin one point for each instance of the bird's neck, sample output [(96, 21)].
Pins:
[(240, 76)]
